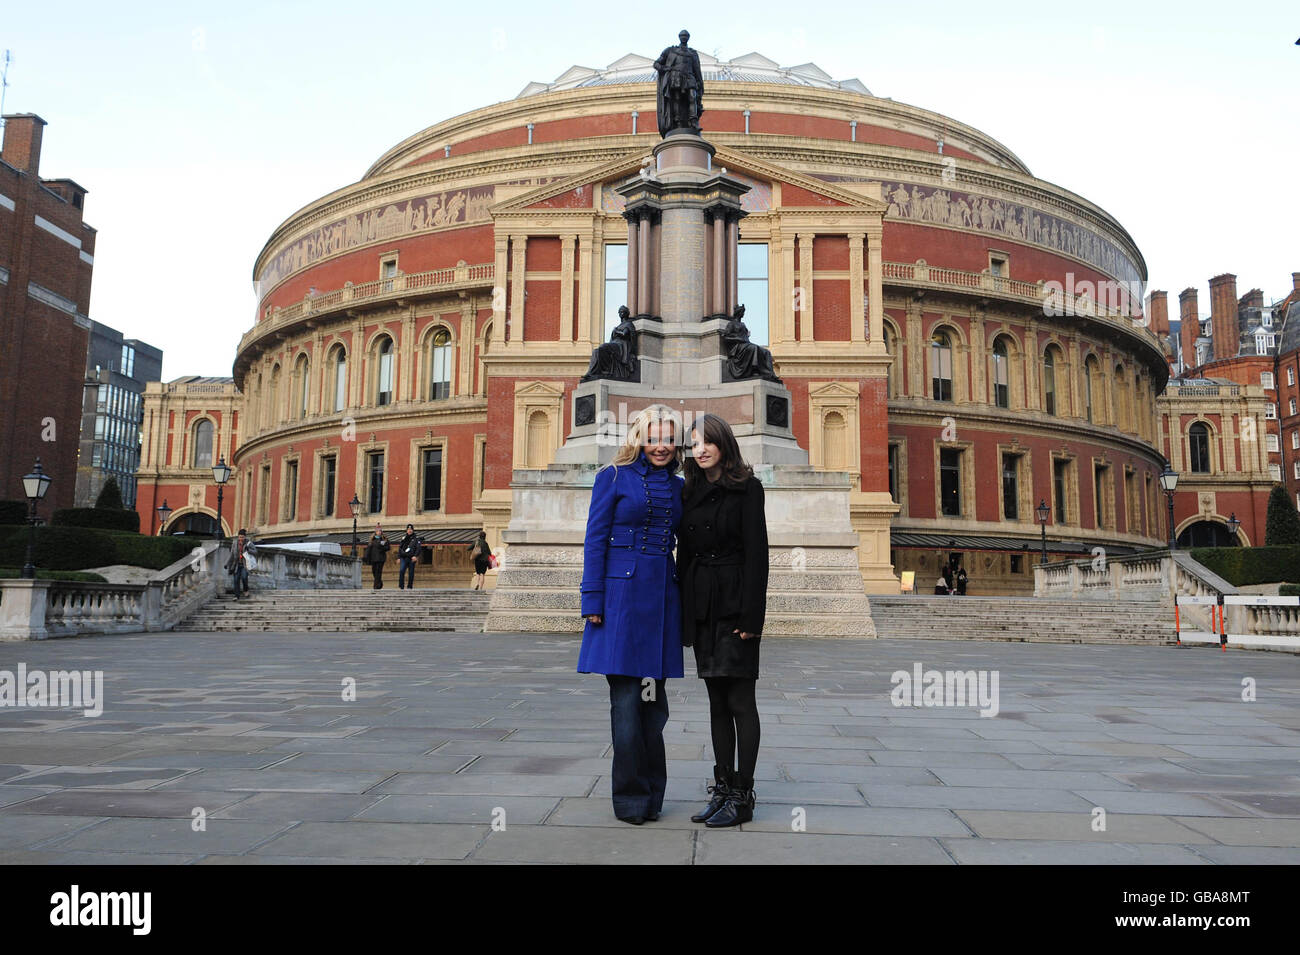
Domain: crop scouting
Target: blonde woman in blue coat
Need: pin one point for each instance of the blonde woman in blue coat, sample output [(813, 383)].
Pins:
[(632, 604)]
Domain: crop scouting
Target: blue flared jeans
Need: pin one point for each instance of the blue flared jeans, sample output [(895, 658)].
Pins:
[(638, 713)]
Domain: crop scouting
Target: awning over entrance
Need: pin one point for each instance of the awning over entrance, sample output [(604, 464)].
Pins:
[(431, 537), (972, 542)]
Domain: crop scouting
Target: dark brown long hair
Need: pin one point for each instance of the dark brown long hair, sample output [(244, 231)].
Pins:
[(715, 431)]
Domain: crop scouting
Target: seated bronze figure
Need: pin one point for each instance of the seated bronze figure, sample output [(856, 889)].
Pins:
[(744, 358), (617, 358)]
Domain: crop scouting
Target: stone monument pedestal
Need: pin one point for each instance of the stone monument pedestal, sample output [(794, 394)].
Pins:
[(683, 232)]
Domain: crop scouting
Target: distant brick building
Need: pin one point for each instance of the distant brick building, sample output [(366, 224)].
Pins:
[(46, 259), (189, 425)]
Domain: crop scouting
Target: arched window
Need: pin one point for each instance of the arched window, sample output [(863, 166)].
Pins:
[(941, 367), (384, 379), (1091, 387), (203, 432), (440, 353), (273, 405), (1198, 441), (891, 372), (1001, 374), (301, 384), (1122, 396), (538, 448), (1049, 381), (340, 379)]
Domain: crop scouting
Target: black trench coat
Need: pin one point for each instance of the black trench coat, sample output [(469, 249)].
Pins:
[(722, 564)]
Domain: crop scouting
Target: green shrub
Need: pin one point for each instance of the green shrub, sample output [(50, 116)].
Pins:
[(1243, 566), (97, 517), (110, 496), (13, 512), (76, 548), (12, 573), (1282, 526), (1289, 590)]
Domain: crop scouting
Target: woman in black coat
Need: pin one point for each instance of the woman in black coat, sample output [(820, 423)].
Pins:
[(722, 563)]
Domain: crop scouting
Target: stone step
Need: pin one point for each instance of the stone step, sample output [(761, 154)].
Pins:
[(344, 611), (1022, 619)]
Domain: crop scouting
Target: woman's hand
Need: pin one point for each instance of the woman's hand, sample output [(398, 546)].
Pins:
[(745, 635), (594, 619)]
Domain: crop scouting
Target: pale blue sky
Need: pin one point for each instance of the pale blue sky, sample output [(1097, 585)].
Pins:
[(198, 128)]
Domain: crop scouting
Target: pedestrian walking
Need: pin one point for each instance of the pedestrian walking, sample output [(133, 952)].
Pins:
[(242, 552), (723, 563), (408, 553), (377, 554), (961, 581), (482, 552), (632, 605)]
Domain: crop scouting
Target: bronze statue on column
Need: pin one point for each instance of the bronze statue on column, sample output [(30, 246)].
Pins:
[(679, 88)]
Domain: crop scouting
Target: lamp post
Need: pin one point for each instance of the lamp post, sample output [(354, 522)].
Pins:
[(34, 486), (355, 505), (220, 474), (1169, 481), (164, 512), (1234, 525), (1044, 512)]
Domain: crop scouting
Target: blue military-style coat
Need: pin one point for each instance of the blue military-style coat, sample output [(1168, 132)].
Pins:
[(629, 575)]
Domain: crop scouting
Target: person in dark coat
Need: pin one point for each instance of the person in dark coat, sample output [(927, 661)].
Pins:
[(631, 602), (482, 553), (723, 562), (961, 581), (408, 553), (376, 554)]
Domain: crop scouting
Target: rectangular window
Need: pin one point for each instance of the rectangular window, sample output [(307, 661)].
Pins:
[(1060, 485), (1103, 497), (751, 283), (1295, 468), (1295, 440), (615, 284), (1290, 375), (1271, 442), (893, 473), (291, 492), (99, 427), (950, 481), (1270, 411), (128, 361), (101, 399), (1291, 406), (1017, 563), (264, 494), (1266, 379), (387, 272), (1010, 491), (1275, 472), (432, 479), (375, 482), (328, 474)]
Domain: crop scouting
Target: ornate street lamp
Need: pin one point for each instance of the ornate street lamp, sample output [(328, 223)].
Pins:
[(34, 486), (1169, 481), (164, 512), (1234, 525), (1044, 512), (220, 474), (355, 505)]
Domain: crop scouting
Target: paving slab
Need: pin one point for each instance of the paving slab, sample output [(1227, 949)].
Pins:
[(166, 835), (383, 840), (118, 802), (1047, 852), (807, 848), (1120, 827), (589, 845)]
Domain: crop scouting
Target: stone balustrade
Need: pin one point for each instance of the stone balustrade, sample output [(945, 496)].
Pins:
[(37, 609)]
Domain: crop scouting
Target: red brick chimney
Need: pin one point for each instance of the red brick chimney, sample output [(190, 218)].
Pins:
[(1223, 316), (1295, 281), (1158, 313), (1190, 329), (22, 143), (1252, 299)]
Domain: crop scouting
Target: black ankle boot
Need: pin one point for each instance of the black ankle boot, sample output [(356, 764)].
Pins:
[(718, 793), (739, 807)]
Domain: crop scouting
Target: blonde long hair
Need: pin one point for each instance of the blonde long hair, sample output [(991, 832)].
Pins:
[(639, 428)]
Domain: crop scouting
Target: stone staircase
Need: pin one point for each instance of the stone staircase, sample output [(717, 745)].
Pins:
[(343, 611), (1023, 619)]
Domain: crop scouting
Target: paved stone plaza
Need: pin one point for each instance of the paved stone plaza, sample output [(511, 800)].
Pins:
[(448, 728)]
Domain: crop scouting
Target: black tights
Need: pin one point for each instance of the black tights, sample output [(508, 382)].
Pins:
[(733, 714)]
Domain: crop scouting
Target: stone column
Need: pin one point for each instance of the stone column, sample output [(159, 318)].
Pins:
[(468, 312), (406, 370), (643, 266), (656, 239), (499, 292), (857, 294), (917, 386), (981, 388), (717, 297), (733, 253), (806, 286), (633, 263), (875, 287), (567, 328), (519, 255), (684, 298), (784, 331)]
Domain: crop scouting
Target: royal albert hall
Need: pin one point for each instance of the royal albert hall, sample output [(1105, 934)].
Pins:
[(419, 333)]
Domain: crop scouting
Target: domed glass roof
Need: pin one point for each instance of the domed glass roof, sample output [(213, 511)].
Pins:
[(750, 68)]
